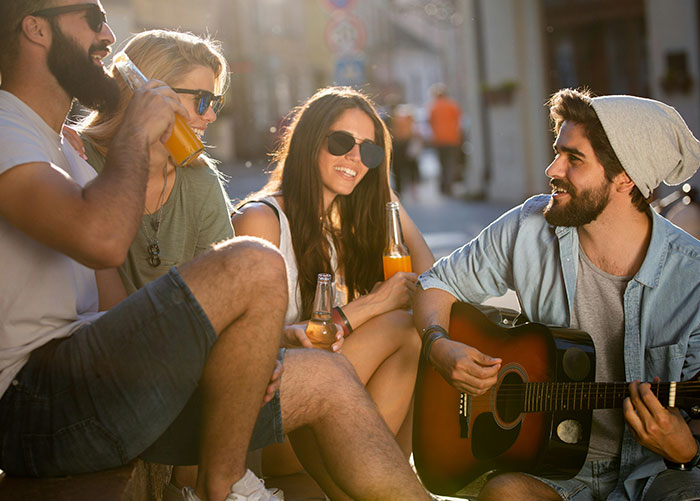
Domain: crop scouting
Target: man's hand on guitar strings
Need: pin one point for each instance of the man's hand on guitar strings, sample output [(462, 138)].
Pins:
[(464, 367), (661, 430)]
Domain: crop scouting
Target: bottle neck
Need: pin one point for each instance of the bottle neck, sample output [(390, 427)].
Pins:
[(322, 300), (394, 236)]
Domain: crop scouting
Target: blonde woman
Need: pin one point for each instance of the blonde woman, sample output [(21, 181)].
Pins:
[(186, 208)]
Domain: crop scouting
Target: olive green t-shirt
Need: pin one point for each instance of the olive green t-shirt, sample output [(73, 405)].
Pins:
[(195, 215)]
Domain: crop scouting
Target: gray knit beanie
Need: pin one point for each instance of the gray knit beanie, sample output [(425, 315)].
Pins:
[(650, 139)]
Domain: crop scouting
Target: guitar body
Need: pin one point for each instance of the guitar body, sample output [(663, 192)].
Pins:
[(456, 438)]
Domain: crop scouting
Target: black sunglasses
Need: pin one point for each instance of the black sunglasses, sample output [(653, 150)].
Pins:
[(340, 142), (206, 99), (96, 17)]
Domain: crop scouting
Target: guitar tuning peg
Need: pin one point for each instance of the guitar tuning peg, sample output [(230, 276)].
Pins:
[(694, 412)]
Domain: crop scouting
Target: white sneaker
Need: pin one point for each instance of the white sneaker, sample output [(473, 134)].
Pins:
[(189, 495), (249, 487), (252, 488)]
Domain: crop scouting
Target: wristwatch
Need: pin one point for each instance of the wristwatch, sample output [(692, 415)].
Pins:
[(690, 464)]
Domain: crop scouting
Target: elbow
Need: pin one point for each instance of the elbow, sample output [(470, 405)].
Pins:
[(111, 253), (107, 252)]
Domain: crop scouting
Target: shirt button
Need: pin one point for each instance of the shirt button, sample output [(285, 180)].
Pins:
[(15, 382)]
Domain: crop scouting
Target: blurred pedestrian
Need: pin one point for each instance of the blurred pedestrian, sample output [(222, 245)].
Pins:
[(444, 120), (407, 147)]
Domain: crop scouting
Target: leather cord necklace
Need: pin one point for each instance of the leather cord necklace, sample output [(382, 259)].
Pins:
[(153, 248)]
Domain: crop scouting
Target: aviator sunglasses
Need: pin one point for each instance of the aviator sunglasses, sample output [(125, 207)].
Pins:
[(205, 99), (341, 142), (96, 17)]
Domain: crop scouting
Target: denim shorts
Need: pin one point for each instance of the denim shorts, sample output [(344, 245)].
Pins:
[(597, 480), (119, 387)]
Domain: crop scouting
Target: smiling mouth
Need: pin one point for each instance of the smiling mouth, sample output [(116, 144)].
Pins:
[(199, 132), (346, 171)]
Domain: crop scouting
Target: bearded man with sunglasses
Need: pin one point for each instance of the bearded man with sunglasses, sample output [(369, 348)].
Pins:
[(83, 389)]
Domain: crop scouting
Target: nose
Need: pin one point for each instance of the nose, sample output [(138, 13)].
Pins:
[(354, 153), (556, 169), (209, 115), (107, 34)]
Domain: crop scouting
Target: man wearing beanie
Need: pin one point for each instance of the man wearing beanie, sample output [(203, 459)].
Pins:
[(593, 256)]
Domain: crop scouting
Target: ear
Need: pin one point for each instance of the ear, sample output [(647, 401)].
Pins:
[(623, 183), (36, 30)]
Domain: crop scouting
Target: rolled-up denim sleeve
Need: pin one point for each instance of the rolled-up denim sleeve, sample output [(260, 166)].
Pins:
[(481, 268)]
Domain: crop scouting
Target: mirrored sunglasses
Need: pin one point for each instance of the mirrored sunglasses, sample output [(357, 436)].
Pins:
[(204, 100), (340, 142), (96, 17)]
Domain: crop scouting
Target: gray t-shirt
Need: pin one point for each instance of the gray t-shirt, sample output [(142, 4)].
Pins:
[(599, 311)]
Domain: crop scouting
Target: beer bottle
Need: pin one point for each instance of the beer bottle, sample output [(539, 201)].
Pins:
[(396, 256), (321, 330), (183, 144)]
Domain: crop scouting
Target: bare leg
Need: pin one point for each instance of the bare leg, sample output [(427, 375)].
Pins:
[(405, 434), (241, 285), (384, 352), (320, 391), (517, 486)]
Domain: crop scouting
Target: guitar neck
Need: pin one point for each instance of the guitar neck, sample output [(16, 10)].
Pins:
[(548, 397)]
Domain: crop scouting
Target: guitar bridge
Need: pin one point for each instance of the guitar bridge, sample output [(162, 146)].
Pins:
[(465, 410)]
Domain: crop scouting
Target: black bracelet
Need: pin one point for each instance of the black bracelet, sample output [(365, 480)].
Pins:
[(690, 464), (344, 318), (431, 334)]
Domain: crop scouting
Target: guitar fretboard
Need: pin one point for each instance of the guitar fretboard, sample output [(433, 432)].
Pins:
[(547, 397)]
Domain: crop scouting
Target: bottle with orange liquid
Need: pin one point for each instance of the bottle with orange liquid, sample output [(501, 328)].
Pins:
[(183, 144), (321, 330), (396, 256)]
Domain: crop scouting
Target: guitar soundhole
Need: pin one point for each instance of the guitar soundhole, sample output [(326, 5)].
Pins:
[(510, 398)]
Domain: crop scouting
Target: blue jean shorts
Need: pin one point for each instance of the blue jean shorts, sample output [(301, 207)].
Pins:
[(597, 480), (122, 386)]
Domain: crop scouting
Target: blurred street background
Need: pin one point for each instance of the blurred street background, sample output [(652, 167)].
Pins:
[(499, 59)]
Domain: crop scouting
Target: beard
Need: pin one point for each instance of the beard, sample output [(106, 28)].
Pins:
[(77, 73), (582, 208)]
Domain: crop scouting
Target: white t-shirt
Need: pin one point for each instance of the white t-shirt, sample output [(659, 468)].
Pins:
[(43, 294)]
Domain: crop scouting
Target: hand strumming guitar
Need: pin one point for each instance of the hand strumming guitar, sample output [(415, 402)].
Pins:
[(464, 367)]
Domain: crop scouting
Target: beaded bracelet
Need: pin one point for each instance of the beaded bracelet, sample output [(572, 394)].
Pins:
[(431, 334), (340, 318)]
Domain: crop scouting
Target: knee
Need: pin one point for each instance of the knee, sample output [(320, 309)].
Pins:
[(253, 261), (516, 485), (497, 488), (403, 331)]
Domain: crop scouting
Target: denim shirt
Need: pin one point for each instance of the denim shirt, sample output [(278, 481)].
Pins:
[(522, 252)]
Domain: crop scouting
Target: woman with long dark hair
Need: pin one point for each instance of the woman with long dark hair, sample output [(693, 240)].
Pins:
[(324, 207)]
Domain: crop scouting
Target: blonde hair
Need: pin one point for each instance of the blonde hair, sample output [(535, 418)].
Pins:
[(159, 54)]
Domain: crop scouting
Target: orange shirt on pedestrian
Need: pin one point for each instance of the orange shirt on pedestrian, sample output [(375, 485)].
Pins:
[(444, 120)]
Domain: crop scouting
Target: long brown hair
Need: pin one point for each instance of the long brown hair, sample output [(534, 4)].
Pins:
[(164, 55), (356, 222)]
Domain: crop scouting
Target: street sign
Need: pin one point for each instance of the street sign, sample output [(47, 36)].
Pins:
[(340, 4), (350, 70), (345, 33)]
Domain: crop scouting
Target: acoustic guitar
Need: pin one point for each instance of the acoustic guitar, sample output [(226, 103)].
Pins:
[(535, 419)]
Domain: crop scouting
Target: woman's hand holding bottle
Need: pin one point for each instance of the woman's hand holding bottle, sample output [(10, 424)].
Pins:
[(395, 293), (294, 336)]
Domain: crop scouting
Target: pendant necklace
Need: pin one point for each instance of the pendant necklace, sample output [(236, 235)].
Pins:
[(153, 249)]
